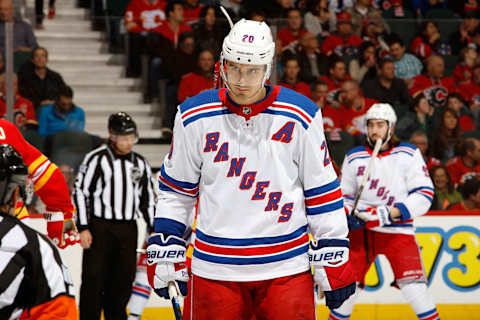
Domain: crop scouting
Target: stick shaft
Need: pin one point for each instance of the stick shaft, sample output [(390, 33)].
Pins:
[(376, 149), (172, 291)]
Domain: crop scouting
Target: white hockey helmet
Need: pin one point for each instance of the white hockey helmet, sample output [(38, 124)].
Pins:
[(382, 111), (249, 42)]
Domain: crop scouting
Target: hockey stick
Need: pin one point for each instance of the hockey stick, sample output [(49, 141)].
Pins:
[(225, 13), (172, 291), (366, 175), (376, 149)]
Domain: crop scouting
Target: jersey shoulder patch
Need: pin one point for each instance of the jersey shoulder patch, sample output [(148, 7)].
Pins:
[(204, 105), (294, 105)]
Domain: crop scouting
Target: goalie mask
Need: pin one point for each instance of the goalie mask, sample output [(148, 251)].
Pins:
[(250, 46), (381, 111), (13, 174)]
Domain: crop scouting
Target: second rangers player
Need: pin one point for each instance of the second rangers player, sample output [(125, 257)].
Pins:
[(399, 189), (255, 156)]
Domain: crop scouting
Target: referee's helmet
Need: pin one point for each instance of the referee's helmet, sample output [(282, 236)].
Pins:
[(121, 123), (13, 173)]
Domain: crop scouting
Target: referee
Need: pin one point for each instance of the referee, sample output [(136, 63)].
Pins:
[(113, 187), (34, 283)]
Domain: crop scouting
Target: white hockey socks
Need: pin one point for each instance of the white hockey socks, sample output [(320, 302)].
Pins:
[(140, 294), (346, 308), (417, 296)]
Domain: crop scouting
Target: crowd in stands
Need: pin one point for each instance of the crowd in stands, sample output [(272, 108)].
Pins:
[(420, 56)]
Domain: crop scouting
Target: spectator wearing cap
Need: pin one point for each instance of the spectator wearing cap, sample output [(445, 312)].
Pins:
[(141, 17), (464, 69), (445, 193), (468, 33), (23, 111), (313, 63), (419, 118), (428, 41), (363, 12), (386, 87), (63, 115), (290, 35), (343, 42), (291, 72), (200, 80), (467, 164), (470, 91), (420, 140), (433, 83), (470, 191), (335, 7), (456, 102), (317, 18), (407, 66)]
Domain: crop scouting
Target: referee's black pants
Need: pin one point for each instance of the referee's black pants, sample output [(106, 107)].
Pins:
[(108, 270)]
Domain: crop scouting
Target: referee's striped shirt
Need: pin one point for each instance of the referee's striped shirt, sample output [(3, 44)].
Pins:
[(113, 187), (31, 270)]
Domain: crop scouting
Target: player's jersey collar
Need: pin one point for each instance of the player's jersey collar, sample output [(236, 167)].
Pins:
[(248, 111)]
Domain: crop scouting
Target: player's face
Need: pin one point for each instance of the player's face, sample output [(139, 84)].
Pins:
[(377, 129), (245, 81), (123, 143)]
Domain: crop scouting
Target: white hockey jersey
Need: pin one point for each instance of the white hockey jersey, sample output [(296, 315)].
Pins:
[(262, 177), (399, 178)]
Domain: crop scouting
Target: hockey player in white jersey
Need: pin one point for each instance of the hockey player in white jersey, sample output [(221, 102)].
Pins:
[(256, 159), (398, 190)]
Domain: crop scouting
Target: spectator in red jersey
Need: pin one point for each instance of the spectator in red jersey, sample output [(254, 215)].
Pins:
[(467, 164), (420, 118), (463, 71), (209, 32), (333, 119), (467, 34), (433, 83), (343, 42), (447, 136), (420, 140), (202, 79), (363, 12), (191, 11), (428, 41), (445, 193), (291, 80), (470, 91), (313, 63), (470, 191), (23, 111), (456, 102), (290, 35), (355, 106), (141, 17), (174, 26), (337, 73)]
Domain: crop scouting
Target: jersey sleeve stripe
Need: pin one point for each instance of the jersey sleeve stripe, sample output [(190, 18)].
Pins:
[(293, 108), (197, 116), (325, 208), (286, 114), (251, 251), (251, 260), (164, 187), (322, 189), (201, 108), (45, 177), (357, 156), (427, 313), (335, 195), (34, 165), (249, 241), (184, 186)]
